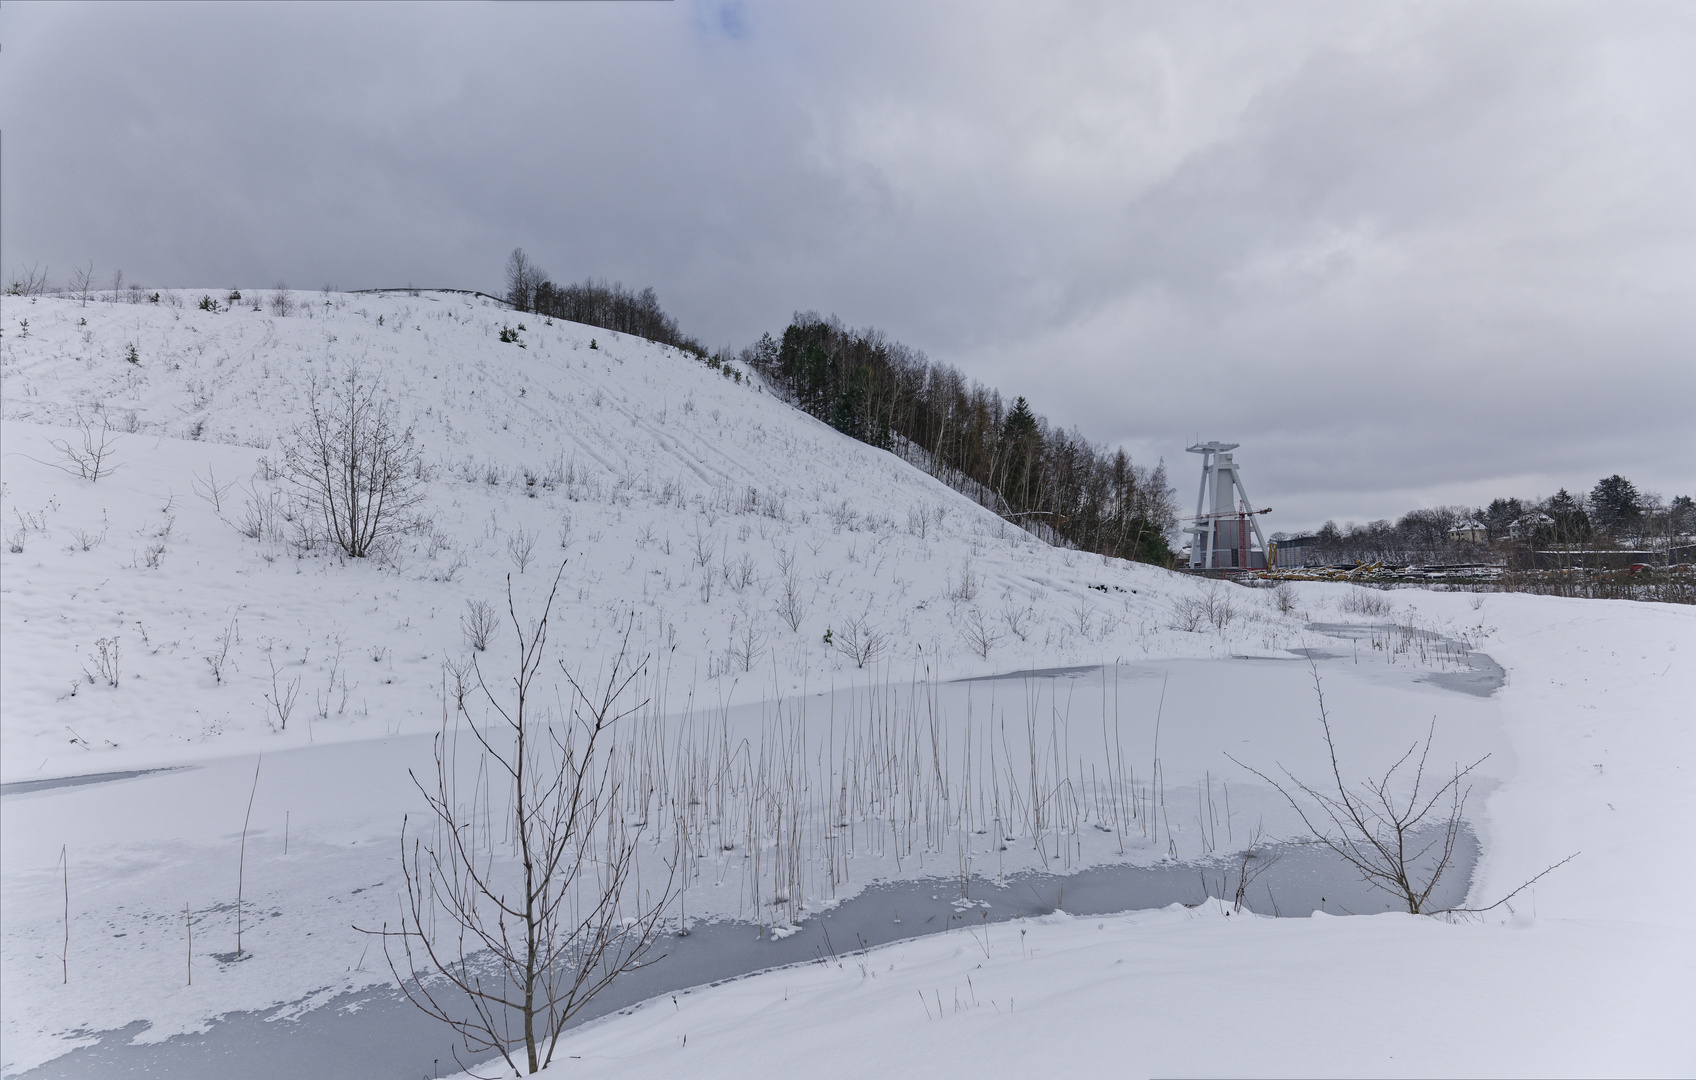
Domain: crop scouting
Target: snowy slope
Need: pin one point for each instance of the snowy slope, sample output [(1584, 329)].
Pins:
[(678, 496), (673, 492)]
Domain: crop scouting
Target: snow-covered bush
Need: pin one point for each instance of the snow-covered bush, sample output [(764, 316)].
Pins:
[(354, 465)]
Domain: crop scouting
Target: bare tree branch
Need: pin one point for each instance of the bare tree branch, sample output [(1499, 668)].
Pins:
[(1381, 834), (506, 937)]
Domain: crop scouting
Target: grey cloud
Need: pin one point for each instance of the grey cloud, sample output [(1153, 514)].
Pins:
[(1404, 255)]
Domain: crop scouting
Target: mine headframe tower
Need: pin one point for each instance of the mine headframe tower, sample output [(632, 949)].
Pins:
[(1225, 533)]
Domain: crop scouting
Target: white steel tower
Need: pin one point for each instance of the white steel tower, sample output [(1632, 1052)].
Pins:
[(1225, 534)]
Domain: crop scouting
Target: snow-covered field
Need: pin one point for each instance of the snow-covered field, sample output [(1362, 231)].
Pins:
[(709, 517), (1588, 974)]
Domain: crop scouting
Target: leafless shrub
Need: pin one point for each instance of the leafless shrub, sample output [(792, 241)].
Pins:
[(703, 545), (980, 634), (521, 548), (860, 641), (1219, 606), (479, 622), (1381, 833), (92, 459), (1018, 619), (282, 301), (791, 604), (353, 464), (964, 589), (81, 285), (1188, 614), (282, 697), (208, 488), (259, 516), (740, 573), (918, 520), (1083, 616), (105, 662), (530, 922), (555, 476), (322, 700), (460, 679), (747, 642), (219, 658), (1284, 597), (85, 540), (15, 540), (31, 282), (153, 555), (1369, 602)]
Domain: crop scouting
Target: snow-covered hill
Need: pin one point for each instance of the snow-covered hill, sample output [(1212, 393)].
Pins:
[(678, 496), (169, 614)]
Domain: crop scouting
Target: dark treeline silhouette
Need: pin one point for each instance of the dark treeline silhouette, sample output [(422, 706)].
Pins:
[(1422, 536), (593, 303), (1614, 515), (1052, 481)]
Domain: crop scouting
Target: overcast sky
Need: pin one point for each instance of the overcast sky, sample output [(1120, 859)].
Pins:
[(1405, 255)]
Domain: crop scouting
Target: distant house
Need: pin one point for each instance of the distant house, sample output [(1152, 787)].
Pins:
[(1469, 531), (1530, 526)]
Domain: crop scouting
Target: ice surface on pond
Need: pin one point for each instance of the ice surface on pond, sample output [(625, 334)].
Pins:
[(377, 1034)]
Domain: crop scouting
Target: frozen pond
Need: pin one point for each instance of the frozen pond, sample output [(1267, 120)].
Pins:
[(375, 1034), (320, 854), (1472, 672)]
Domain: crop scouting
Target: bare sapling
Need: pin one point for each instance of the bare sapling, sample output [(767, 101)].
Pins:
[(1018, 619), (209, 488), (521, 548), (747, 641), (479, 623), (31, 282), (860, 641), (81, 285), (354, 464), (219, 658), (106, 656), (980, 633), (282, 698), (1400, 841), (508, 929), (92, 459), (791, 605), (1189, 614)]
